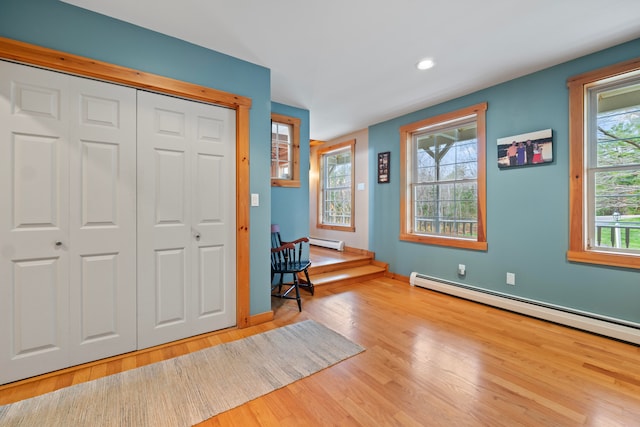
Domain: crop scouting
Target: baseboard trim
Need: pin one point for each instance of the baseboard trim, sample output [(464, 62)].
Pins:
[(258, 319), (591, 322)]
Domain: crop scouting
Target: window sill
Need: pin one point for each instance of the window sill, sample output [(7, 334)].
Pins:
[(607, 259), (336, 227), (289, 183), (445, 241)]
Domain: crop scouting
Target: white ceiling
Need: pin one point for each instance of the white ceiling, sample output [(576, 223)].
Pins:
[(351, 63)]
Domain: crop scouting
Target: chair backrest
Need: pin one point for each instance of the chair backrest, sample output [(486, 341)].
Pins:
[(276, 241), (289, 254)]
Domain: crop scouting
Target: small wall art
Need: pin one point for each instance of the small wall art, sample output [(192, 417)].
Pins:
[(527, 149), (383, 167)]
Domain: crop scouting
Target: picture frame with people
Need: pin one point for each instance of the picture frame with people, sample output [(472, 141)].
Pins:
[(527, 149)]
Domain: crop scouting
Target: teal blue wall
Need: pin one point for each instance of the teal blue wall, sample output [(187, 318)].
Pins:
[(290, 206), (527, 208), (57, 25)]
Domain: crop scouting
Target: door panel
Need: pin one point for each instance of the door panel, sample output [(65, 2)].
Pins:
[(34, 179), (170, 287), (213, 218), (67, 231), (102, 212), (100, 167), (36, 322), (163, 216), (171, 184), (186, 201), (211, 281), (99, 298)]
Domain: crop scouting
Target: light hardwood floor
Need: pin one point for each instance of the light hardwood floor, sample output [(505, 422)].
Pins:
[(430, 360)]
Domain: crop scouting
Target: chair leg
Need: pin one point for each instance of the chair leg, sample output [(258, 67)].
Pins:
[(280, 283), (309, 284), (295, 285)]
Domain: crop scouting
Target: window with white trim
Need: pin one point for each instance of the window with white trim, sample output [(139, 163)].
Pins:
[(443, 179), (605, 166), (336, 186)]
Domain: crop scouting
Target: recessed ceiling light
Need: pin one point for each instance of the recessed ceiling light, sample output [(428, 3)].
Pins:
[(425, 64)]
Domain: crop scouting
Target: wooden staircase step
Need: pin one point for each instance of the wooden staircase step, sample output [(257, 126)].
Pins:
[(317, 268), (349, 275)]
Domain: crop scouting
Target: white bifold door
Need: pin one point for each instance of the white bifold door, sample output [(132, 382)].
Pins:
[(117, 220), (67, 221), (186, 218)]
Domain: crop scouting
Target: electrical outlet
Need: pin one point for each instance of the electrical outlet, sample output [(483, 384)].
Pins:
[(511, 279), (462, 269)]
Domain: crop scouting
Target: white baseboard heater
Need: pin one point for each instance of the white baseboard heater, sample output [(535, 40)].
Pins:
[(326, 243), (602, 325)]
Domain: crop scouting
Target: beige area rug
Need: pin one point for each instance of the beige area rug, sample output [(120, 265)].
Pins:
[(192, 388)]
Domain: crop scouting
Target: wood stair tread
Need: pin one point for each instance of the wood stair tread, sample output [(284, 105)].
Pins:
[(346, 274)]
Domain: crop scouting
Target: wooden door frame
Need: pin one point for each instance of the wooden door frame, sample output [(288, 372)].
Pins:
[(85, 67)]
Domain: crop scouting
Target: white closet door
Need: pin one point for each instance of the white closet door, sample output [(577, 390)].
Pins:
[(67, 221), (102, 220), (34, 245), (186, 218)]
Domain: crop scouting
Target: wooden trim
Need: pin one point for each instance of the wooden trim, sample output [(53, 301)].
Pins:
[(319, 153), (601, 258), (605, 72), (444, 241), (60, 61), (578, 251), (359, 251), (78, 65), (406, 161), (258, 319), (285, 183), (576, 166), (295, 122), (479, 111), (243, 233), (345, 228), (399, 277), (481, 179)]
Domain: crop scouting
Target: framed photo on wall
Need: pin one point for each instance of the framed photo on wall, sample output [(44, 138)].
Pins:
[(527, 149), (383, 167)]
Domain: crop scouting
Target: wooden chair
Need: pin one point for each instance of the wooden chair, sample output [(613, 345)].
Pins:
[(286, 258)]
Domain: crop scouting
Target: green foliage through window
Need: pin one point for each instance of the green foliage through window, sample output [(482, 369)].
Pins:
[(613, 164)]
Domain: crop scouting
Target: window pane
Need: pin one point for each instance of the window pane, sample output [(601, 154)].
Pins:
[(619, 138), (446, 209), (617, 192), (446, 157), (281, 150), (613, 206), (336, 202)]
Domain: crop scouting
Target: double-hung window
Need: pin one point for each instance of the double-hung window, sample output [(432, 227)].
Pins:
[(605, 166), (444, 180), (285, 148), (336, 186)]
